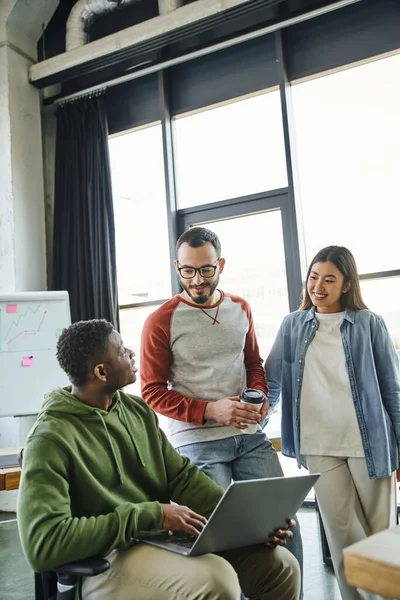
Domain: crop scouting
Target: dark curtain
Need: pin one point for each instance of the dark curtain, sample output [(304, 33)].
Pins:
[(84, 237)]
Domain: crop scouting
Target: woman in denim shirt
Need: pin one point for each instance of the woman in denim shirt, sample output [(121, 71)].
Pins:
[(337, 372)]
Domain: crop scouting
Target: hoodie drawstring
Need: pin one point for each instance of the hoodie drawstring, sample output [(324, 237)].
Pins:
[(119, 468), (125, 422)]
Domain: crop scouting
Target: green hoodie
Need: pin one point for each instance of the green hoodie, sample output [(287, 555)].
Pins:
[(94, 479)]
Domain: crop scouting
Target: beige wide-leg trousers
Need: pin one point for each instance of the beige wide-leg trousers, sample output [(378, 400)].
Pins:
[(352, 507), (145, 572)]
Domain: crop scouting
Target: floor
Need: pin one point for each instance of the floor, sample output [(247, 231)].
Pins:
[(319, 580), (16, 580)]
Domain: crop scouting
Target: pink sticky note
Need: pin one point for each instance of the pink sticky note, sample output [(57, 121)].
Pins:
[(27, 361), (12, 308)]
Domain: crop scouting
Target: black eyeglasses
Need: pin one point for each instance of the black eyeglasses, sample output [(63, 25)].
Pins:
[(206, 271)]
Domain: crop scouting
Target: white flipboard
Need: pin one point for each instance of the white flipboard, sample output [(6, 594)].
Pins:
[(30, 324)]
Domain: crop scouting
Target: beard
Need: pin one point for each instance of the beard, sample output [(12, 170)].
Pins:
[(209, 289)]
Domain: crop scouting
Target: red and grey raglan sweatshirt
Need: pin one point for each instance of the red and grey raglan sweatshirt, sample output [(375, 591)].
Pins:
[(191, 355)]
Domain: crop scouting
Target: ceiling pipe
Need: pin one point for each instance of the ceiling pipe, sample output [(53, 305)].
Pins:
[(127, 38), (205, 51), (82, 15), (84, 12), (166, 6)]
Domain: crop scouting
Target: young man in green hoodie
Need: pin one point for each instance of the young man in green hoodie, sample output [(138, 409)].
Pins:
[(98, 472)]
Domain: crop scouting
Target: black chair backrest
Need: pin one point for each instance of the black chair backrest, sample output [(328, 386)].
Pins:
[(20, 457), (45, 586)]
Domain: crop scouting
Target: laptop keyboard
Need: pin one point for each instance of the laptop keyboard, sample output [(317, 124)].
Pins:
[(186, 541)]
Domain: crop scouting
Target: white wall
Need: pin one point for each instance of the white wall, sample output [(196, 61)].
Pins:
[(27, 178), (22, 221), (7, 272), (22, 229), (8, 426)]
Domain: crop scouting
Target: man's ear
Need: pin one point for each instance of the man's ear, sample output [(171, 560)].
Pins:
[(221, 264), (100, 372), (176, 266)]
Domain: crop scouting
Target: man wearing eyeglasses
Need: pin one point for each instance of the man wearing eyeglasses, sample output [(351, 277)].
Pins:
[(198, 352)]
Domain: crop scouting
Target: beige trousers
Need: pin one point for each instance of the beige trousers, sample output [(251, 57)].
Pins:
[(352, 507), (145, 572)]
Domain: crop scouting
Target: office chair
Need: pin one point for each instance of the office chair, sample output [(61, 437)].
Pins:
[(61, 582)]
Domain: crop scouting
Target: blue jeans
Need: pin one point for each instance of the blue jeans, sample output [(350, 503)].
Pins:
[(247, 456)]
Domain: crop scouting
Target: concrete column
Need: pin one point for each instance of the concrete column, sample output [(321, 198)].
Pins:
[(22, 220), (7, 266), (49, 126), (166, 6)]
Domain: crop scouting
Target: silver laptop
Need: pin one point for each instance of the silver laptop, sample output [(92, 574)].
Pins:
[(247, 514)]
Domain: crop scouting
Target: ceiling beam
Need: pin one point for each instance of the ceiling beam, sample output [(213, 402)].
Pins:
[(51, 71)]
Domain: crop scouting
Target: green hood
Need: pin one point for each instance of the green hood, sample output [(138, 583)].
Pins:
[(93, 479), (61, 401)]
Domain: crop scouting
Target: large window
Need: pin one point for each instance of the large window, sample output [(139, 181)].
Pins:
[(348, 149), (140, 210), (141, 230), (382, 296), (230, 151), (255, 269), (348, 140), (231, 167), (131, 325)]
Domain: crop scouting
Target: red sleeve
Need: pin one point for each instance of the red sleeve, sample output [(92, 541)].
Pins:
[(155, 360), (253, 362)]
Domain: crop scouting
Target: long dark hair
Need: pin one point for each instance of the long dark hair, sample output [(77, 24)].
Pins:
[(343, 260)]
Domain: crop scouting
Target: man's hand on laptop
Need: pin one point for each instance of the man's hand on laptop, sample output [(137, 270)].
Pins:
[(182, 518), (280, 536), (230, 411)]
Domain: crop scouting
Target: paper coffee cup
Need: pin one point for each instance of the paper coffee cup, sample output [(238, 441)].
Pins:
[(256, 398)]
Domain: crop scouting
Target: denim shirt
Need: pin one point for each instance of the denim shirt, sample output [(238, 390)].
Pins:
[(374, 374)]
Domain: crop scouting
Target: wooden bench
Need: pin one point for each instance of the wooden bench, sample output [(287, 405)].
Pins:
[(9, 475), (276, 442), (374, 563), (9, 478)]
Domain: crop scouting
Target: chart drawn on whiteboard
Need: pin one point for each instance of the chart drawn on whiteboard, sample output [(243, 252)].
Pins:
[(30, 325), (26, 332)]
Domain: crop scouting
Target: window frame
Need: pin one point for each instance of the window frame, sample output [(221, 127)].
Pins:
[(250, 205)]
